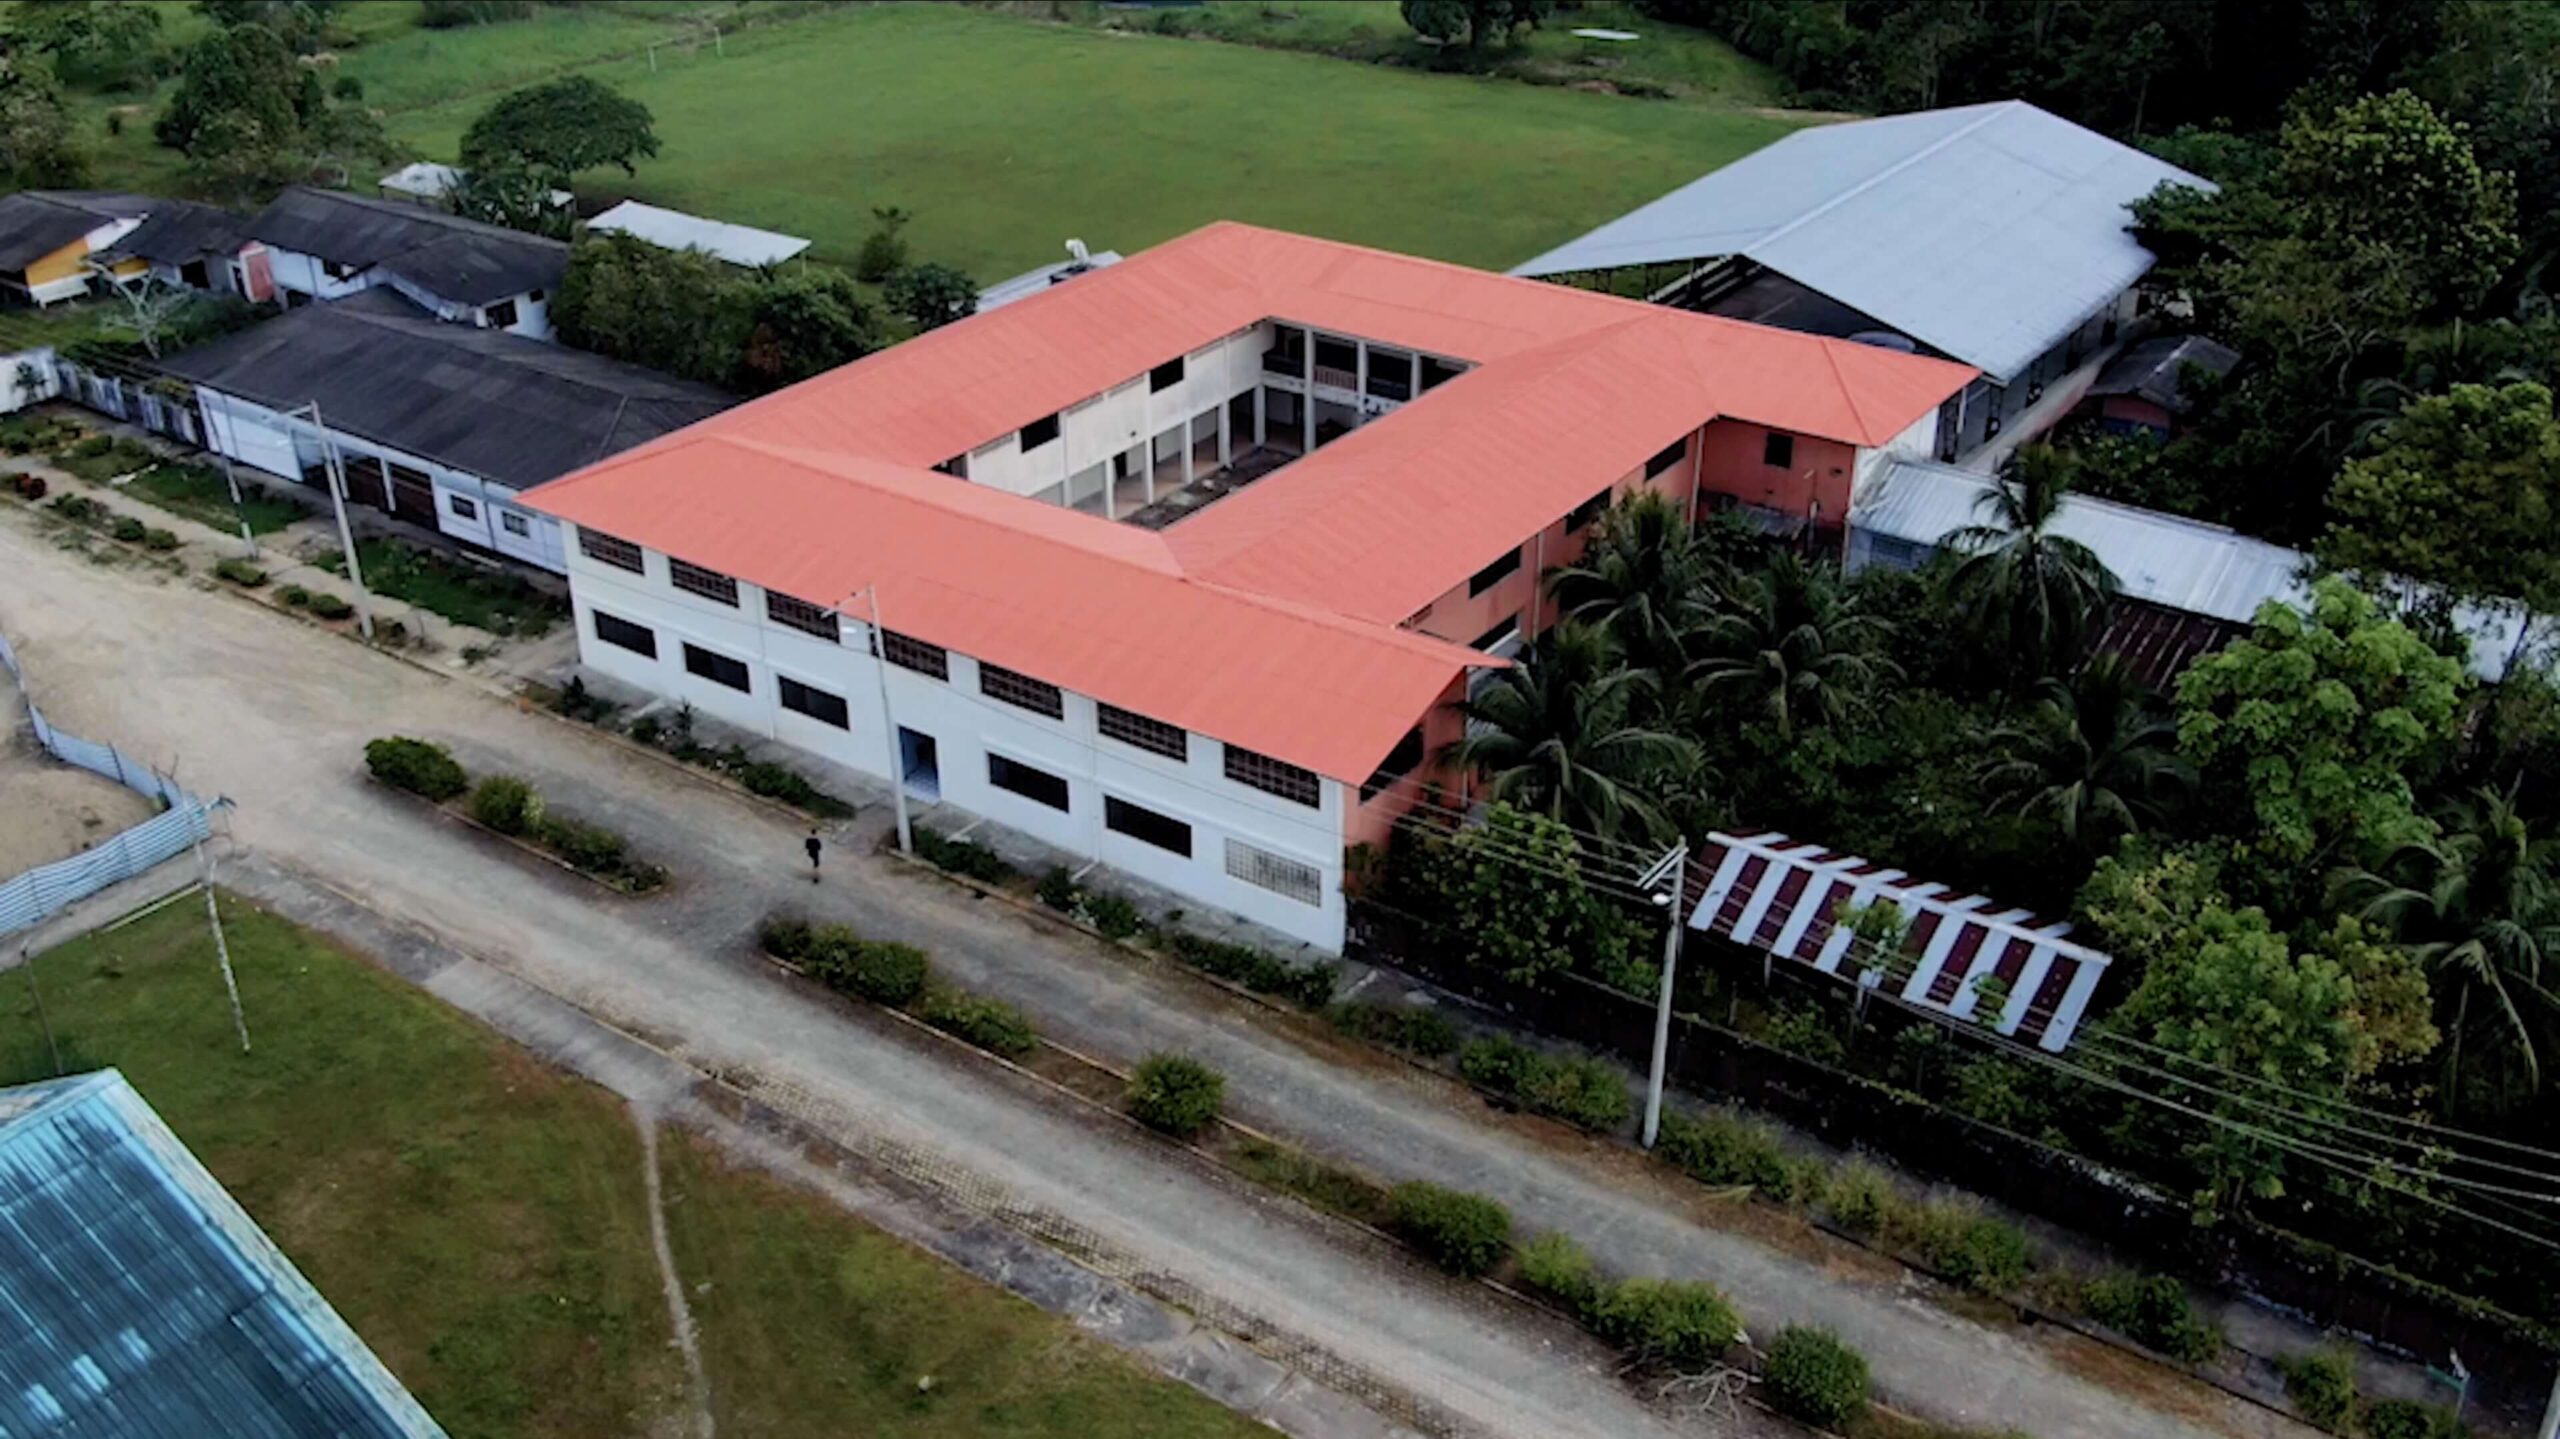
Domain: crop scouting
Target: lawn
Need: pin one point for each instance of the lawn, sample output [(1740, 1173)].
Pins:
[(201, 494), (499, 601), (482, 1221), (1005, 136)]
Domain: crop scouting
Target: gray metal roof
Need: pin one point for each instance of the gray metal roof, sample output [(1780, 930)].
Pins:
[(142, 1302), (1987, 232), (492, 404), (676, 230), (2153, 370), (182, 230), (454, 258), (35, 223)]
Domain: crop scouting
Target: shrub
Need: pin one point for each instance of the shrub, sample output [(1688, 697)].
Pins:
[(1968, 1246), (2154, 1310), (963, 857), (1584, 1092), (585, 846), (1463, 1233), (240, 572), (1114, 915), (78, 509), (159, 539), (90, 447), (506, 804), (294, 595), (1682, 1325), (1553, 1265), (883, 253), (2409, 1419), (1860, 1198), (881, 971), (1059, 890), (785, 937), (1497, 1063), (1810, 1374), (418, 766), (127, 529), (990, 1024), (1426, 1032), (1310, 985), (1720, 1147), (2322, 1386), (1175, 1094), (330, 607), (788, 785)]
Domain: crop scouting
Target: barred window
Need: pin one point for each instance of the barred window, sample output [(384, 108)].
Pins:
[(615, 630), (1145, 825), (1151, 735), (1021, 690), (1036, 785), (716, 667), (820, 705), (914, 654), (1283, 876), (694, 579), (818, 620), (605, 549), (1273, 776)]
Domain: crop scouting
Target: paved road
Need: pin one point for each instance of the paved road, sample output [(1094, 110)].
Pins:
[(275, 715)]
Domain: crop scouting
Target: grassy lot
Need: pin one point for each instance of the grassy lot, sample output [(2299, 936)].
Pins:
[(1005, 136), (482, 1219), (499, 601), (200, 493)]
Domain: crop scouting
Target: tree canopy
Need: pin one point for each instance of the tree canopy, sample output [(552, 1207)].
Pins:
[(1474, 21), (2463, 491), (561, 127), (930, 296), (109, 47), (36, 144)]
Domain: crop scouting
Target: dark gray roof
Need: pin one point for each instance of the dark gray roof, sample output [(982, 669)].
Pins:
[(182, 230), (2151, 369), (35, 223), (499, 406), (144, 1301), (449, 256)]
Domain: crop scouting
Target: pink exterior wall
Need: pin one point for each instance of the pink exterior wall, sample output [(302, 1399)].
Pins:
[(1373, 822), (1735, 464)]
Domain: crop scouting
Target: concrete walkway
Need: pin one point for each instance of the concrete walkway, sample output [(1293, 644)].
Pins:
[(276, 715)]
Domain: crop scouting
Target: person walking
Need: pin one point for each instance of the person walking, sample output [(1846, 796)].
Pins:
[(813, 846)]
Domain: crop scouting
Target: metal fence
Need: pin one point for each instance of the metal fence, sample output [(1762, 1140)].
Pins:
[(27, 899)]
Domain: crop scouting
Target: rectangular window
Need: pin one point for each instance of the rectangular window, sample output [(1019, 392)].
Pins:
[(1778, 451), (1039, 432), (615, 630), (502, 315), (1037, 785), (515, 524), (1165, 376), (1332, 354), (816, 703), (1587, 511), (801, 615), (715, 667), (1505, 632), (1273, 776), (1399, 762), (916, 655), (1666, 457), (1145, 825), (1493, 574), (462, 507), (1151, 735), (1021, 690), (605, 549), (1292, 879), (710, 584)]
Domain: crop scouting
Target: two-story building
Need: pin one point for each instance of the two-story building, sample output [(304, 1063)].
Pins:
[(1183, 566), (327, 245)]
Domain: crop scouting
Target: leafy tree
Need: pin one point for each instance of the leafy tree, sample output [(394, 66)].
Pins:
[(1790, 646), (2029, 593), (2313, 729), (2383, 182), (1560, 736), (301, 24), (803, 324), (561, 127), (2097, 757), (36, 147), (931, 296), (447, 14), (1476, 21), (240, 85), (510, 193), (107, 47), (674, 310), (2476, 906), (1509, 895), (2463, 492), (884, 250)]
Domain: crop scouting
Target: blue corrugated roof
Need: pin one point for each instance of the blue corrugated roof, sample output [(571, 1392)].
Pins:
[(138, 1299)]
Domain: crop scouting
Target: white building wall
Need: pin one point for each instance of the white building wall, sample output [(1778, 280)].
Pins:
[(1095, 430), (967, 726), (1918, 442), (304, 275)]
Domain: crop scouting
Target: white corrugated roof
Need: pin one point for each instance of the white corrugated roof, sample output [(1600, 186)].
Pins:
[(676, 230), (2162, 559), (1032, 282), (423, 178), (1987, 232)]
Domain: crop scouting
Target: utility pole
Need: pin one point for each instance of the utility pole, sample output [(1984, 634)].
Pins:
[(230, 477), (338, 497), (888, 721), (221, 946), (1672, 869)]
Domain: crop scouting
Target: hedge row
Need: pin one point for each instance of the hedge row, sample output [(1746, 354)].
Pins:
[(899, 976), (511, 807), (2322, 1386), (1584, 1092), (1670, 1322)]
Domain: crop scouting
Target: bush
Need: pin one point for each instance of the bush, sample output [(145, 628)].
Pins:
[(2409, 1419), (330, 607), (1584, 1092), (1465, 1234), (876, 970), (1968, 1246), (90, 447), (1059, 890), (159, 539), (127, 529), (416, 765), (1114, 915), (585, 846), (793, 788), (1810, 1374), (506, 804), (963, 857), (2322, 1386), (294, 595), (883, 253), (1860, 1198), (1681, 1325), (240, 572), (78, 509), (1310, 985), (1553, 1265), (2153, 1310), (1175, 1094), (1720, 1147), (1498, 1063), (990, 1024), (1426, 1032), (785, 937)]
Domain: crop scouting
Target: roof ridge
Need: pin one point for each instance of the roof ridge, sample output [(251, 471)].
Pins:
[(1991, 112)]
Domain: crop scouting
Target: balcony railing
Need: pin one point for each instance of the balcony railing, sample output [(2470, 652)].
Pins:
[(1390, 387), (1285, 362), (1338, 379)]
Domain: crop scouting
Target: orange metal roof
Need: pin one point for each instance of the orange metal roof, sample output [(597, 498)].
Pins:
[(1267, 619)]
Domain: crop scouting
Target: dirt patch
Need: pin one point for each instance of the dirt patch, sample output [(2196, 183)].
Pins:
[(54, 810)]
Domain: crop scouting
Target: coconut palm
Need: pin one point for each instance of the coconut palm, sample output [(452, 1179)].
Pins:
[(2477, 907), (1557, 734), (2097, 755), (1789, 643), (1644, 564), (2022, 588)]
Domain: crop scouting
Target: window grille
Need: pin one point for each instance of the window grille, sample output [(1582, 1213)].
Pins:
[(1151, 735), (710, 584), (1273, 776), (1283, 876), (916, 655), (605, 549), (1021, 690), (800, 615)]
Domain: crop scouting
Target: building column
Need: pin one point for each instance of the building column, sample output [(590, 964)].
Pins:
[(1226, 440), (1261, 403), (1188, 426), (1360, 386), (1307, 405), (1413, 390)]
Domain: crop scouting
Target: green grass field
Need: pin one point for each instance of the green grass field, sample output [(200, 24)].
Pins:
[(1005, 136), (482, 1220)]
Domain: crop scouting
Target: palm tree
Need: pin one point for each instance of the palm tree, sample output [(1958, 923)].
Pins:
[(1556, 734), (2023, 588), (2097, 755), (2476, 906), (1790, 643), (1643, 566)]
